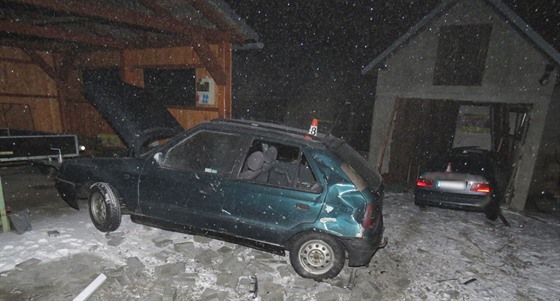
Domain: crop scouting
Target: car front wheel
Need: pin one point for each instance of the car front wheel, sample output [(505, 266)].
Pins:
[(317, 256), (104, 207)]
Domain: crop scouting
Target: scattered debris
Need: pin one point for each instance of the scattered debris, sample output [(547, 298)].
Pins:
[(21, 221), (28, 263), (352, 280), (469, 281), (53, 233), (115, 238), (445, 280), (91, 288), (503, 219), (255, 286), (162, 241)]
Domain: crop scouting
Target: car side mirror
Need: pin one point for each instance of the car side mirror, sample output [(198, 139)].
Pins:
[(158, 157)]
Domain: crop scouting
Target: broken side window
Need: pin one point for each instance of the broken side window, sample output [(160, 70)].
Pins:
[(279, 165), (205, 151)]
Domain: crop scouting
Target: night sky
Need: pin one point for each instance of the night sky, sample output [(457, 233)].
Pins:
[(315, 50)]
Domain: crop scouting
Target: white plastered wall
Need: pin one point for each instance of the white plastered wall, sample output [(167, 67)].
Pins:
[(513, 69)]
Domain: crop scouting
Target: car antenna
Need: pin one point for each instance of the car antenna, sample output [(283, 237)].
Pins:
[(338, 116)]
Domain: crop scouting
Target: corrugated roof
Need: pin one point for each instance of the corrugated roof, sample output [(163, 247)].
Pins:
[(117, 24)]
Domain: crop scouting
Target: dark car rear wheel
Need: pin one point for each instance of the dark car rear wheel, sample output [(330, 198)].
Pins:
[(492, 212), (104, 207), (317, 256)]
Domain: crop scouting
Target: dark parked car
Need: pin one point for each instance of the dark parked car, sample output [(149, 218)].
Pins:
[(257, 184), (463, 178)]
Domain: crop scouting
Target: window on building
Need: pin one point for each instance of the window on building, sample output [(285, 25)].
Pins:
[(461, 55), (175, 87)]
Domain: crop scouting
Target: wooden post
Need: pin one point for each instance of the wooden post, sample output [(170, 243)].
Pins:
[(4, 216), (129, 73), (387, 138)]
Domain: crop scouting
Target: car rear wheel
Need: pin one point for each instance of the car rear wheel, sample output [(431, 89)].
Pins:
[(317, 256), (492, 213), (104, 207)]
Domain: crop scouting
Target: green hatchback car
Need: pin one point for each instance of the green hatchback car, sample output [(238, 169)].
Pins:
[(256, 184)]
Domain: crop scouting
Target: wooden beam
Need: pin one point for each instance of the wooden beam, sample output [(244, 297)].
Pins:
[(129, 74), (41, 45), (15, 95), (39, 61), (165, 23), (66, 63), (16, 61), (115, 15), (57, 33), (210, 61)]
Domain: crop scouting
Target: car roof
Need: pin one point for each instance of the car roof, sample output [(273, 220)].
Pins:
[(274, 131)]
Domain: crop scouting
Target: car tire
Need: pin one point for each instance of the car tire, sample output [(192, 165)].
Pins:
[(492, 214), (492, 211), (104, 207), (317, 256)]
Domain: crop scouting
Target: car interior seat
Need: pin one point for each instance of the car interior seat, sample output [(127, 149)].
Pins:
[(253, 166), (270, 156)]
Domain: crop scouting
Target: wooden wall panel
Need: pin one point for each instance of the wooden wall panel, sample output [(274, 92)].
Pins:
[(64, 109), (46, 117), (189, 118), (84, 120), (13, 53), (24, 83), (177, 56), (100, 59), (25, 79)]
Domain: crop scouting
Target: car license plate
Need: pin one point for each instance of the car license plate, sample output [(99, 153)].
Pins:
[(452, 185)]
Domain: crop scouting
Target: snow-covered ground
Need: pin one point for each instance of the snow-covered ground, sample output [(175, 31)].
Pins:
[(433, 254)]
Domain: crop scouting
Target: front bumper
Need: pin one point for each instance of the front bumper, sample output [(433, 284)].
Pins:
[(451, 200)]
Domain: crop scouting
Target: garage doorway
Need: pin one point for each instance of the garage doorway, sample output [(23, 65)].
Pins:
[(424, 128)]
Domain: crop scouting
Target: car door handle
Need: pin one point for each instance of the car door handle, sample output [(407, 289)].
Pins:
[(126, 176), (302, 206)]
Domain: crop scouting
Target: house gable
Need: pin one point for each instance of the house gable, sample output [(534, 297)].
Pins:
[(508, 67)]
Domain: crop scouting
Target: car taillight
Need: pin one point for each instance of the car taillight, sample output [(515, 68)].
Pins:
[(370, 217), (480, 187), (424, 183)]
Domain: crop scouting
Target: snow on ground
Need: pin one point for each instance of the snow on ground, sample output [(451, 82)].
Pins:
[(433, 254)]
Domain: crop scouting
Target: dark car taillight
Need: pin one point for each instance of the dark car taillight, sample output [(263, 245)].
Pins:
[(424, 183), (480, 187), (371, 215)]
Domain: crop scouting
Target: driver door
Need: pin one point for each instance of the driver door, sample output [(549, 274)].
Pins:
[(188, 186)]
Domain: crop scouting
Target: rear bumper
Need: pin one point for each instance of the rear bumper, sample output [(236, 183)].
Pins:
[(67, 191), (361, 250), (452, 200)]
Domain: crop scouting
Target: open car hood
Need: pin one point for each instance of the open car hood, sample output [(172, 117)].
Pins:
[(134, 114)]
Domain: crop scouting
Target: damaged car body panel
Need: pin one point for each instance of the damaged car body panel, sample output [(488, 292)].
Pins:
[(256, 184)]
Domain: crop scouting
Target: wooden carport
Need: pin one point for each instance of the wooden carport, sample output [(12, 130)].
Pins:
[(46, 44)]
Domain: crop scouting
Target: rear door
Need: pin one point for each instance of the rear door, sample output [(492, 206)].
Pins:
[(189, 185), (286, 196)]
